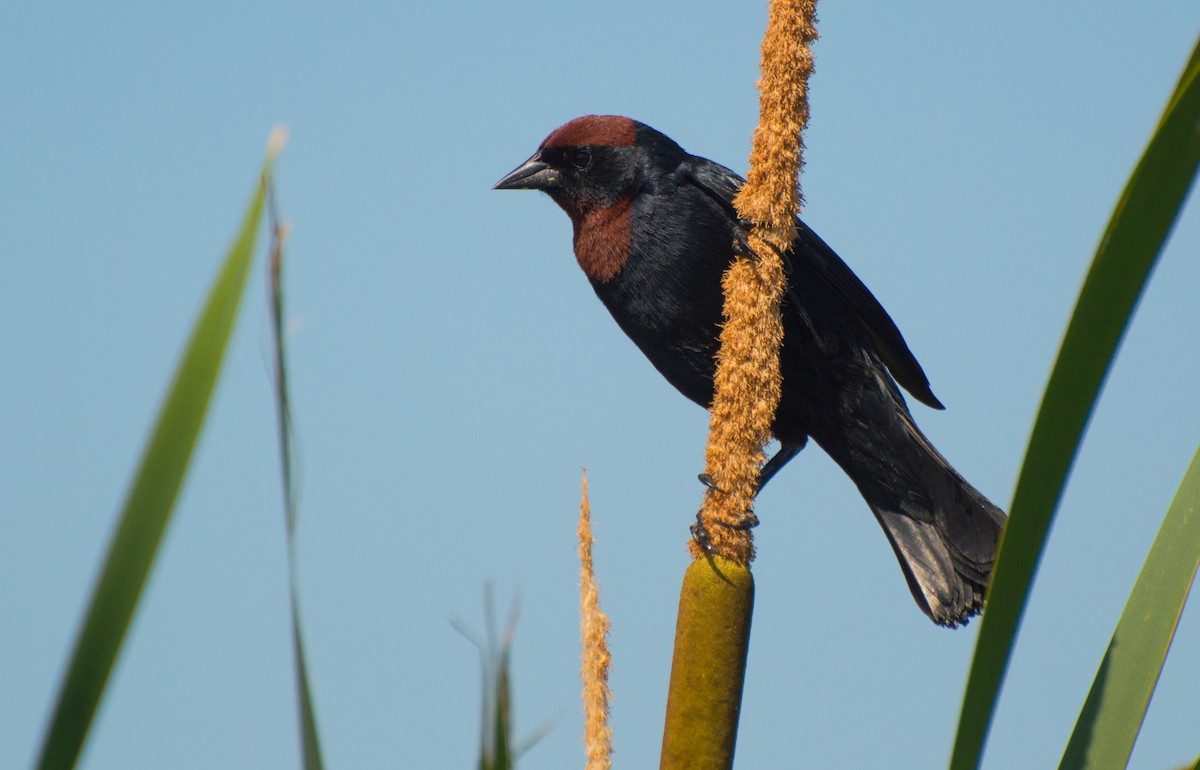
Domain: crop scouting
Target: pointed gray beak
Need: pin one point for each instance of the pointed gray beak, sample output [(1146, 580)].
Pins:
[(533, 174)]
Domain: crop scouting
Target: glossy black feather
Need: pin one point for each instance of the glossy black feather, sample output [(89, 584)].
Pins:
[(811, 258), (663, 220)]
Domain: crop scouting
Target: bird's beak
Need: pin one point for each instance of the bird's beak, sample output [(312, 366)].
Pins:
[(533, 174)]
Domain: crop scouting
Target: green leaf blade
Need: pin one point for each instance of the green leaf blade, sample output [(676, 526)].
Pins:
[(1112, 716), (1127, 253), (151, 498), (310, 743)]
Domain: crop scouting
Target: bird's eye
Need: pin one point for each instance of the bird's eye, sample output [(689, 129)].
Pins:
[(580, 158)]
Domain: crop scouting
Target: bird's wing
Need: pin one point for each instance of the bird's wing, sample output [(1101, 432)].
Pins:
[(722, 185)]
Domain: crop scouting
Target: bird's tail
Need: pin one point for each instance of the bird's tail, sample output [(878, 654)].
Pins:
[(944, 532)]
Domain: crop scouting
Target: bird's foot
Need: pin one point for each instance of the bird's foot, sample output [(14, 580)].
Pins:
[(741, 244), (700, 534), (749, 520), (707, 481)]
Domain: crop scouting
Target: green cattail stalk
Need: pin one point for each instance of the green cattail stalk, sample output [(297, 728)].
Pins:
[(711, 641)]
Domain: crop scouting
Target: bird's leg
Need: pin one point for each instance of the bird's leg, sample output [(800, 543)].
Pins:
[(787, 450)]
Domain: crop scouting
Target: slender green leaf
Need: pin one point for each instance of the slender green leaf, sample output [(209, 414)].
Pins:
[(1127, 253), (502, 749), (150, 500), (496, 747), (498, 751), (310, 744), (1120, 694)]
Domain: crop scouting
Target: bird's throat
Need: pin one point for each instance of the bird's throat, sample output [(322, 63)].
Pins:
[(602, 240)]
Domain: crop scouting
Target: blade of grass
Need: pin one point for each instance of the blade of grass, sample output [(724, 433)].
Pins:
[(310, 743), (501, 755), (496, 748), (1116, 706), (1127, 253), (502, 751), (151, 498)]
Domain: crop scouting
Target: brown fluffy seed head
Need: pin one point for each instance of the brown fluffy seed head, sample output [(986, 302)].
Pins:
[(771, 196), (597, 661), (748, 383), (747, 389)]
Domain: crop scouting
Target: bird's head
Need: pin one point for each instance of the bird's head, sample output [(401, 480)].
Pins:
[(593, 162)]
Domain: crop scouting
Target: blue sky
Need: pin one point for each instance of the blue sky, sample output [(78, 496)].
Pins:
[(453, 372)]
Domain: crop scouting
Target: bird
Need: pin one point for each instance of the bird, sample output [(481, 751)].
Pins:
[(654, 230)]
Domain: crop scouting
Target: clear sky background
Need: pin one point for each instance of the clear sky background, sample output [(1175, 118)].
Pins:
[(453, 372)]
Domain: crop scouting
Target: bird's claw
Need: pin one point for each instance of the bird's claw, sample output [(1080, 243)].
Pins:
[(707, 481), (742, 247), (700, 535), (700, 531), (741, 244), (749, 521)]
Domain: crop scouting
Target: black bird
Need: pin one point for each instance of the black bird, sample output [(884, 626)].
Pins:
[(654, 231)]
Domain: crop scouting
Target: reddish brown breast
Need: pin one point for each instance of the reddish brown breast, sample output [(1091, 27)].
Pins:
[(602, 240)]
